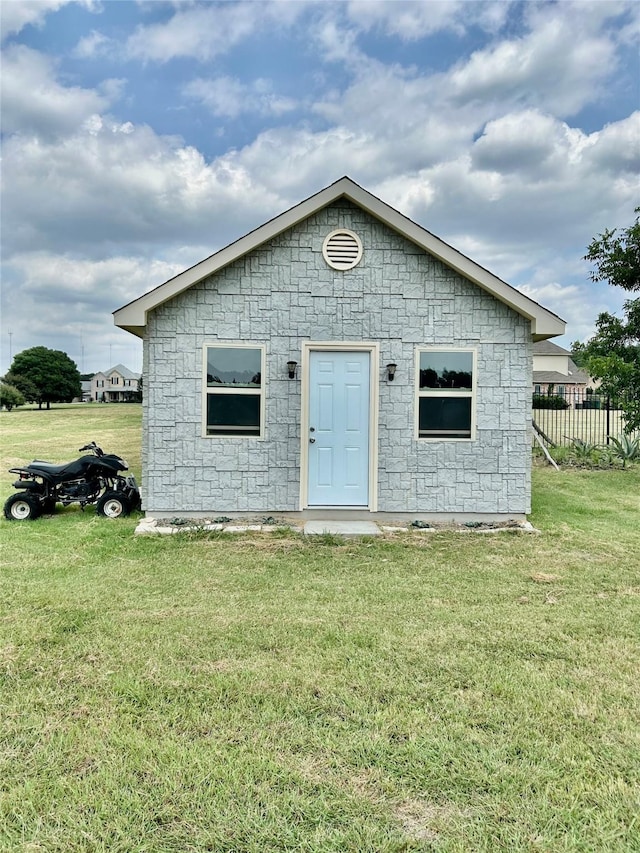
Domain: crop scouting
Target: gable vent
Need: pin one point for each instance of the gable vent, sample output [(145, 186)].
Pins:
[(342, 249)]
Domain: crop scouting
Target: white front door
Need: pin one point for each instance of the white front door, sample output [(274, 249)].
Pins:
[(339, 415)]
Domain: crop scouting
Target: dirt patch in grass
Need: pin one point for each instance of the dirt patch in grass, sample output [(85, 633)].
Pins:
[(424, 821)]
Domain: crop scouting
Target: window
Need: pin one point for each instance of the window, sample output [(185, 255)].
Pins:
[(537, 389), (445, 388), (234, 383)]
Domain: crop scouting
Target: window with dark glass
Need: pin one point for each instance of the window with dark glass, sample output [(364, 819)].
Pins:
[(234, 390), (445, 393)]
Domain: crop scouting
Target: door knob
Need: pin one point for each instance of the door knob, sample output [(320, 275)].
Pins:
[(312, 441)]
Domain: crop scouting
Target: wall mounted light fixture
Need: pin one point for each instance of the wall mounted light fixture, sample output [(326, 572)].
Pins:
[(291, 369), (391, 371)]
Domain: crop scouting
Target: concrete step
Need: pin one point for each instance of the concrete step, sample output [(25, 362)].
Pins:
[(341, 528)]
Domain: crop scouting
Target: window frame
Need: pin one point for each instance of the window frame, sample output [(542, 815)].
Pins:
[(438, 392), (225, 390)]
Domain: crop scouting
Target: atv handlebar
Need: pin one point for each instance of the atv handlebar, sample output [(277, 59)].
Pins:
[(92, 446)]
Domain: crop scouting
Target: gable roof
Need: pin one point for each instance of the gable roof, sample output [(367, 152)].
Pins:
[(544, 323), (548, 348), (576, 377), (119, 369), (123, 371)]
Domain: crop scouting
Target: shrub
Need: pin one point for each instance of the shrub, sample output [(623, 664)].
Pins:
[(549, 401), (625, 449), (10, 397), (584, 452)]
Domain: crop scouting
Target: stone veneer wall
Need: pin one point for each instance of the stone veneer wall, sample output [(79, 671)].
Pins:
[(282, 294)]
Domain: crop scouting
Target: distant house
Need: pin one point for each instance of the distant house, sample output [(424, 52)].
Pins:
[(555, 372), (118, 385), (338, 359)]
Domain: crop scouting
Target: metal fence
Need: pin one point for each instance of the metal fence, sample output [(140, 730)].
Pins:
[(593, 418)]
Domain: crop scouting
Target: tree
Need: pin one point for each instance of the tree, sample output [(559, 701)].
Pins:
[(579, 354), (24, 385), (51, 375), (613, 354), (10, 397)]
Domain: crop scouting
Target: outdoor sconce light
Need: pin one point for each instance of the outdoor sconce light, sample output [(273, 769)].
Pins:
[(391, 371), (291, 368)]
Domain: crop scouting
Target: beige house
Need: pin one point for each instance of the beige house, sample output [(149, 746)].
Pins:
[(554, 371), (118, 385)]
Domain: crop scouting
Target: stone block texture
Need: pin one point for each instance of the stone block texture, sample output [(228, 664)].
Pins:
[(283, 294)]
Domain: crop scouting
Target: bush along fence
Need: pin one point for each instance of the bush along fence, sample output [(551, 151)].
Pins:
[(568, 417)]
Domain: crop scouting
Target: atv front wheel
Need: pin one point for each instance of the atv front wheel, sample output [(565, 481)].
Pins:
[(113, 505), (22, 507)]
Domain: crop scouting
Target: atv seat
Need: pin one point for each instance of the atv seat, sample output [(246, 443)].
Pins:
[(53, 470)]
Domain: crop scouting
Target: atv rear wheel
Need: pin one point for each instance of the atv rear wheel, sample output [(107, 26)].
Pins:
[(22, 506), (113, 505)]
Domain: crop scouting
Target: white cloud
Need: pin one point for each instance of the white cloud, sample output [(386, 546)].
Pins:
[(335, 40), (67, 282), (115, 184), (229, 97), (50, 108), (16, 15), (205, 32), (527, 143), (415, 19), (579, 304), (616, 149), (513, 220), (94, 45), (560, 64), (69, 301)]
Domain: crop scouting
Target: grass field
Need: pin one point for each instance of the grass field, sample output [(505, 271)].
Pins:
[(267, 693)]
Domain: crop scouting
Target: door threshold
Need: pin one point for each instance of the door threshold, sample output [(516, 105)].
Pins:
[(338, 508)]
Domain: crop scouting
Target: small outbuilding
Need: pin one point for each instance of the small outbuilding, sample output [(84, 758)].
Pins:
[(338, 361)]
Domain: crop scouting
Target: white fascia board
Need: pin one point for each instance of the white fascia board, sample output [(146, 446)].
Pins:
[(544, 324)]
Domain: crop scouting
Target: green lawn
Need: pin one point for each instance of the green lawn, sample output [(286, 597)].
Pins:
[(200, 692)]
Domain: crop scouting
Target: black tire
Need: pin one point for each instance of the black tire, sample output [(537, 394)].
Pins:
[(113, 504), (22, 507)]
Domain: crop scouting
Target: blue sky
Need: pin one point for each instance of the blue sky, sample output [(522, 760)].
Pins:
[(140, 137)]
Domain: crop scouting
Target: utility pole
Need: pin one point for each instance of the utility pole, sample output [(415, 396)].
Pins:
[(10, 349)]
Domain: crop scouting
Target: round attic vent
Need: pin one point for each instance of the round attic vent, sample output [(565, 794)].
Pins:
[(342, 249)]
